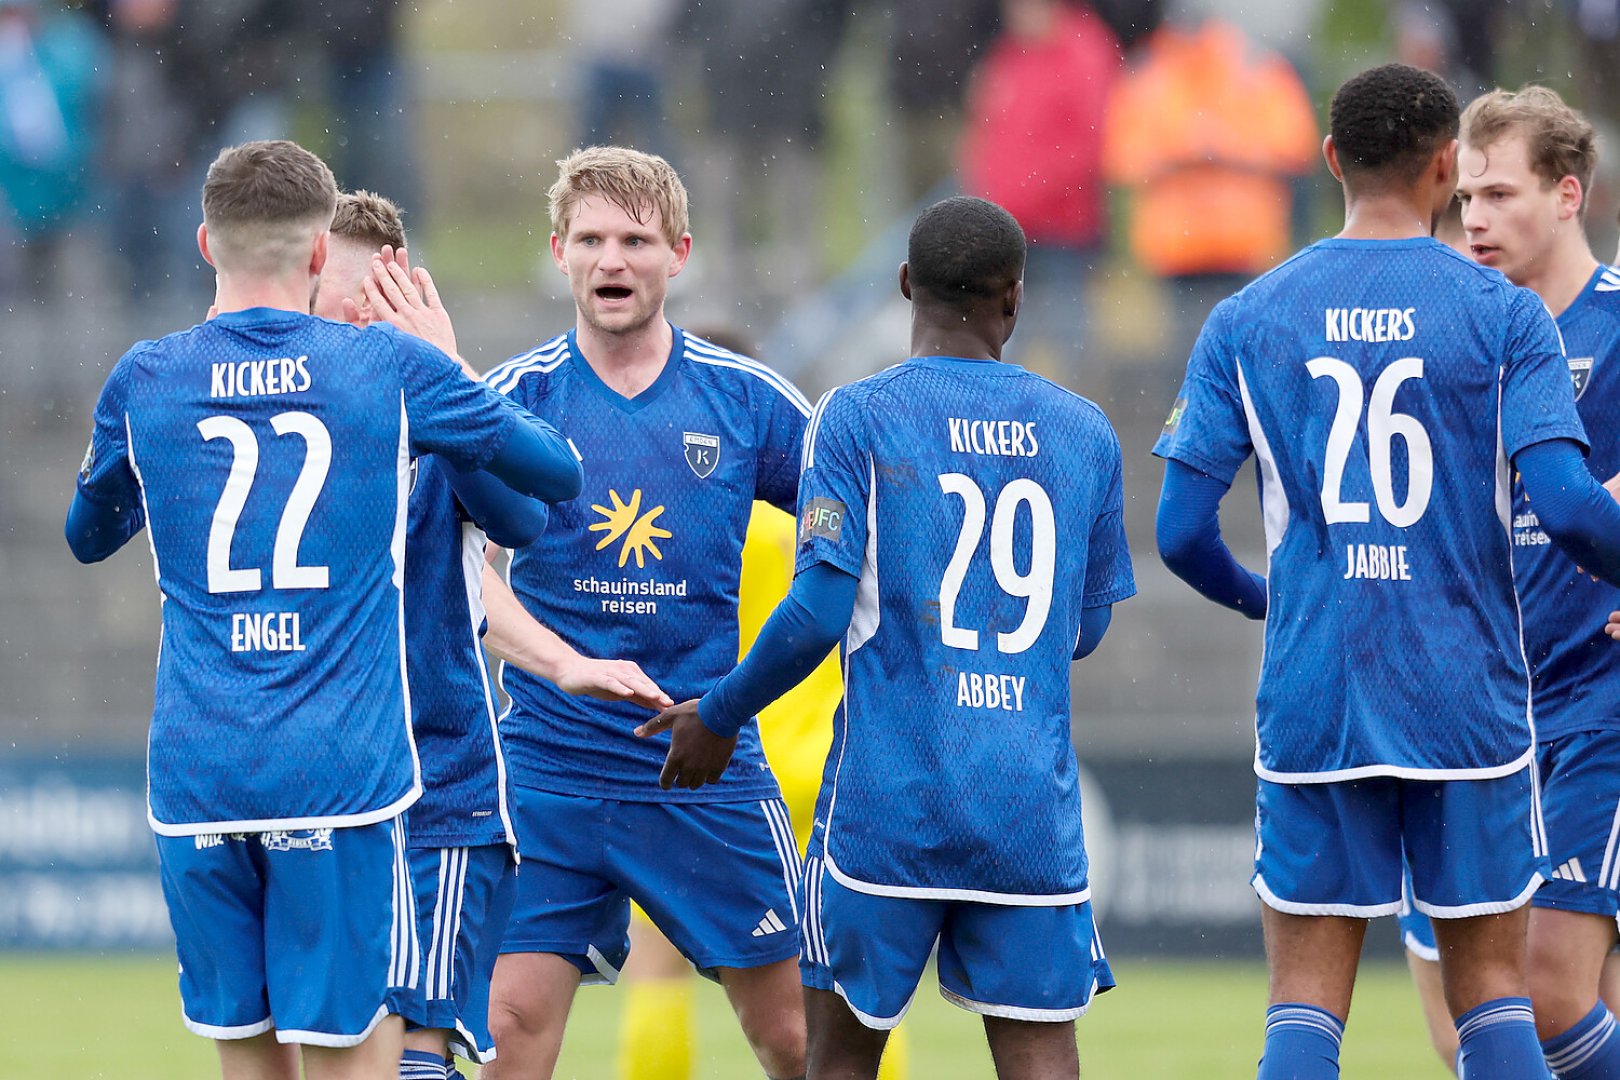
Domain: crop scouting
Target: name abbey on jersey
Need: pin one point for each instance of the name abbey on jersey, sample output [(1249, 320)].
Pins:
[(260, 378)]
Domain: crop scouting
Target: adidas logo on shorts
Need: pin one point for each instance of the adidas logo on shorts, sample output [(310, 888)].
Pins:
[(770, 924), (1570, 871)]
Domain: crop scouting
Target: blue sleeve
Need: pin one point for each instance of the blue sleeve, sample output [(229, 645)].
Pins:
[(834, 486), (106, 511), (1189, 536), (472, 427), (1207, 427), (781, 416), (798, 636), (1538, 400), (1109, 577), (507, 518), (1580, 516), (1093, 625)]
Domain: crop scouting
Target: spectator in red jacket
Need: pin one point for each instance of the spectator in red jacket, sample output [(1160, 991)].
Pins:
[(1034, 144)]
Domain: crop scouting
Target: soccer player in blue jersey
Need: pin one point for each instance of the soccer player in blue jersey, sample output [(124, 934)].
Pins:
[(679, 438), (960, 530), (458, 835), (1526, 163), (267, 452), (1388, 386)]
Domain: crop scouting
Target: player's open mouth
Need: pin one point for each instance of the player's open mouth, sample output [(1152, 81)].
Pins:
[(1482, 252), (613, 292)]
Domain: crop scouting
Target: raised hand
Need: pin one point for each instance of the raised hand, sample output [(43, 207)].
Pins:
[(611, 680)]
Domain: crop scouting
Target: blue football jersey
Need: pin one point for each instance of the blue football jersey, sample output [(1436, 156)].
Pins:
[(1384, 387), (453, 712), (644, 565), (1574, 667), (268, 453), (980, 507)]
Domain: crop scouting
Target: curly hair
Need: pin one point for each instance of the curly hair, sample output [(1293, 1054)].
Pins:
[(964, 249), (1389, 120)]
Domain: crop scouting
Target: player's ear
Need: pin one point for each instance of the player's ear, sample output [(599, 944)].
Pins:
[(1570, 198), (557, 253), (683, 251), (317, 254), (202, 243), (1446, 166), (905, 280), (1013, 300), (1331, 153)]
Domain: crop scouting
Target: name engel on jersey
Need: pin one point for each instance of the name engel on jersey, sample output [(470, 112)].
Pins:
[(998, 438), (1371, 324), (260, 378)]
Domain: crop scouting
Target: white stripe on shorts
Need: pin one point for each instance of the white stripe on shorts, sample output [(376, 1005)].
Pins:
[(787, 848), (406, 955)]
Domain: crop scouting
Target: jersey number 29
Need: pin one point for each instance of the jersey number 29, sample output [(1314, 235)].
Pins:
[(1034, 585)]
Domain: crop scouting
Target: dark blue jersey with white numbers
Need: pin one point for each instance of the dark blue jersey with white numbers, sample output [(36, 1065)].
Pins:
[(267, 453), (1575, 667), (980, 507), (644, 565), (453, 709), (1384, 387)]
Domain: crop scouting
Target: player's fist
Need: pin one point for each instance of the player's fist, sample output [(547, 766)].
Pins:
[(1612, 627)]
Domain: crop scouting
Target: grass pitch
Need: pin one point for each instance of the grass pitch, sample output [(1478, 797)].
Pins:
[(86, 1018)]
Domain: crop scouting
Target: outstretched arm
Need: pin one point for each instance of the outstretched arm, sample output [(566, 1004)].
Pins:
[(800, 633), (1189, 536), (516, 637), (507, 518)]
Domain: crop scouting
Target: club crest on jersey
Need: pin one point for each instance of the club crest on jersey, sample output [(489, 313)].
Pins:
[(824, 518), (702, 452), (1580, 373)]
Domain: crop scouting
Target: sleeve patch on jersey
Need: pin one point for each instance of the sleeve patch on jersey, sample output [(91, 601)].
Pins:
[(824, 518), (1173, 421), (88, 466)]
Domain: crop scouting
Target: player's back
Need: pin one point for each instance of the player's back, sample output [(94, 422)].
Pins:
[(1384, 387), (272, 452), (986, 508)]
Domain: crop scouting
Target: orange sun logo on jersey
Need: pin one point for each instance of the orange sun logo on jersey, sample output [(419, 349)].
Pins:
[(639, 532)]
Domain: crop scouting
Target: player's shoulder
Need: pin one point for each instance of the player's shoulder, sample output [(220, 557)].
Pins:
[(736, 373), (532, 370), (1606, 290)]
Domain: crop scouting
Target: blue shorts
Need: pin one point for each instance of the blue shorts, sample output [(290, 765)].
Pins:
[(719, 879), (311, 932), (1476, 847), (1580, 799), (1019, 963), (463, 898)]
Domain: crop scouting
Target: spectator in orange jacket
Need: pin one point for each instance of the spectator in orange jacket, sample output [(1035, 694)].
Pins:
[(1207, 134)]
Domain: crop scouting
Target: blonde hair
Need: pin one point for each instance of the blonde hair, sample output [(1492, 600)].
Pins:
[(1560, 141), (263, 201), (367, 218), (639, 184)]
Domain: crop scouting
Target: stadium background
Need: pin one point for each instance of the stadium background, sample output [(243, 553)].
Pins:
[(488, 96)]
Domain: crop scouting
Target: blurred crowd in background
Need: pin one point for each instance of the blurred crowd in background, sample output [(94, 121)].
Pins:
[(1159, 153), (1178, 138)]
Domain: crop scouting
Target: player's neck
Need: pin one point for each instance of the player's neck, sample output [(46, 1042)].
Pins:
[(958, 340), (1561, 277), (238, 293), (1391, 216), (630, 362)]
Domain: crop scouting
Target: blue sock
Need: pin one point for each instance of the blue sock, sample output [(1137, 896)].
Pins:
[(422, 1065), (1302, 1043), (1497, 1041), (1587, 1051)]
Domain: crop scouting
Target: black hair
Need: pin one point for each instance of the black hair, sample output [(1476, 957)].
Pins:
[(964, 250), (1388, 121)]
